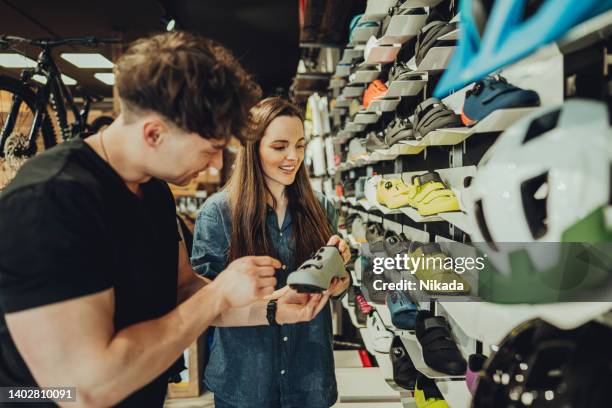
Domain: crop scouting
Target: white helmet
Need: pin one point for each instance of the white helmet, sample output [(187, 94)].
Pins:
[(544, 175)]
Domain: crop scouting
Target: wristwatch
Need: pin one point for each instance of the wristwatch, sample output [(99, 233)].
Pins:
[(271, 313)]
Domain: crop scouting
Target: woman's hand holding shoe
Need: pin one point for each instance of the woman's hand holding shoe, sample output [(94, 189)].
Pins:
[(339, 285), (343, 247), (294, 307)]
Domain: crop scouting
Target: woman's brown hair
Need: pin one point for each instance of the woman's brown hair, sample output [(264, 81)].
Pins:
[(248, 195)]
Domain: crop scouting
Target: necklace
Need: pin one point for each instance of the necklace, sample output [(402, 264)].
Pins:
[(103, 147)]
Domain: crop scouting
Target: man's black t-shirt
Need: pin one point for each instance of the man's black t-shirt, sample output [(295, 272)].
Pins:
[(70, 227)]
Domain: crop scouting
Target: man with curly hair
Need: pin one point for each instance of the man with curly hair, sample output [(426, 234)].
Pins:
[(96, 288)]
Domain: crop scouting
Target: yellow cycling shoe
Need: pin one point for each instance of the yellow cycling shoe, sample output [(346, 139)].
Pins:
[(427, 394), (433, 268), (393, 193), (432, 195)]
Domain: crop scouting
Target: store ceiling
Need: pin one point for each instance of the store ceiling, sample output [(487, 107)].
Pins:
[(263, 34)]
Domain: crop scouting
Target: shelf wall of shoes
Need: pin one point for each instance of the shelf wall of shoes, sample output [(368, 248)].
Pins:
[(489, 160)]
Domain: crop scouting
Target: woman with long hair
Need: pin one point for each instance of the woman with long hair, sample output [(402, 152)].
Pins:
[(268, 207)]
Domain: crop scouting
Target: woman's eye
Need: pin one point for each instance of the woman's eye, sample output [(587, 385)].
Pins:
[(279, 148), (301, 147)]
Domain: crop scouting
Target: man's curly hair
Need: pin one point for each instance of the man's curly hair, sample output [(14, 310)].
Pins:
[(193, 81)]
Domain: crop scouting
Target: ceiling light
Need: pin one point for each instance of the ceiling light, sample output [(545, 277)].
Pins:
[(87, 60), (40, 78), (107, 77), (171, 24), (68, 81), (16, 61), (43, 79)]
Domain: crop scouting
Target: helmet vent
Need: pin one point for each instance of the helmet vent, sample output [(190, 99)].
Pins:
[(534, 194), (542, 125), (482, 225)]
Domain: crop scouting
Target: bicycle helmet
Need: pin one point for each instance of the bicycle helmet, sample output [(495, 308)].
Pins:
[(544, 185), (540, 366), (491, 40)]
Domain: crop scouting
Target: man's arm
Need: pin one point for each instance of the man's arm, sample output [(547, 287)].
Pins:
[(74, 343), (290, 309)]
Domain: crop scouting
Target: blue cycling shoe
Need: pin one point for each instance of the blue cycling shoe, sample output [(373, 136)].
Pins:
[(493, 93), (403, 311)]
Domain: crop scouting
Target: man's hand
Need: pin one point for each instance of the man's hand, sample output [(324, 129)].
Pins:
[(246, 280), (294, 307), (344, 249)]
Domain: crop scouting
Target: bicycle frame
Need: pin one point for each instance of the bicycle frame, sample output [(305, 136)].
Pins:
[(61, 94)]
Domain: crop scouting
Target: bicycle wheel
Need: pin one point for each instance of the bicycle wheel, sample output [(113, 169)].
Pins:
[(14, 131)]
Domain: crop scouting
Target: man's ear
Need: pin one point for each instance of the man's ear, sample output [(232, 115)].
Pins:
[(153, 131)]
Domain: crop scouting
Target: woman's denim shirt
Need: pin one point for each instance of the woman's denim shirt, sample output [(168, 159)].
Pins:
[(261, 365)]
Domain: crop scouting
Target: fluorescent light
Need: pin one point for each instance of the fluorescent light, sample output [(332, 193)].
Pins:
[(107, 77), (88, 60), (171, 24), (16, 61), (68, 81), (40, 78), (43, 79)]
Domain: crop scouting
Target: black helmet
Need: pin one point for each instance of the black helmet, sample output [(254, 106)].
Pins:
[(541, 366)]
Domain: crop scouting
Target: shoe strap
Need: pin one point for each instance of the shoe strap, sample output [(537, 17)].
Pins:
[(498, 92), (433, 191), (429, 248), (427, 177)]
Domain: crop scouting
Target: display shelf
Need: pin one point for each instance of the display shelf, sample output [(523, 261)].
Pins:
[(384, 105), (386, 210), (367, 205), (420, 3), (402, 28), (365, 117), (365, 388), (377, 10), (366, 76), (382, 155), (338, 111), (336, 83), (455, 393), (400, 149), (351, 54), (342, 70), (385, 315), (342, 102), (497, 121), (489, 322), (586, 33), (452, 36), (343, 136), (416, 217), (412, 346), (384, 365), (361, 35), (458, 219), (383, 54), (405, 88), (352, 91), (354, 127), (363, 203), (437, 59)]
